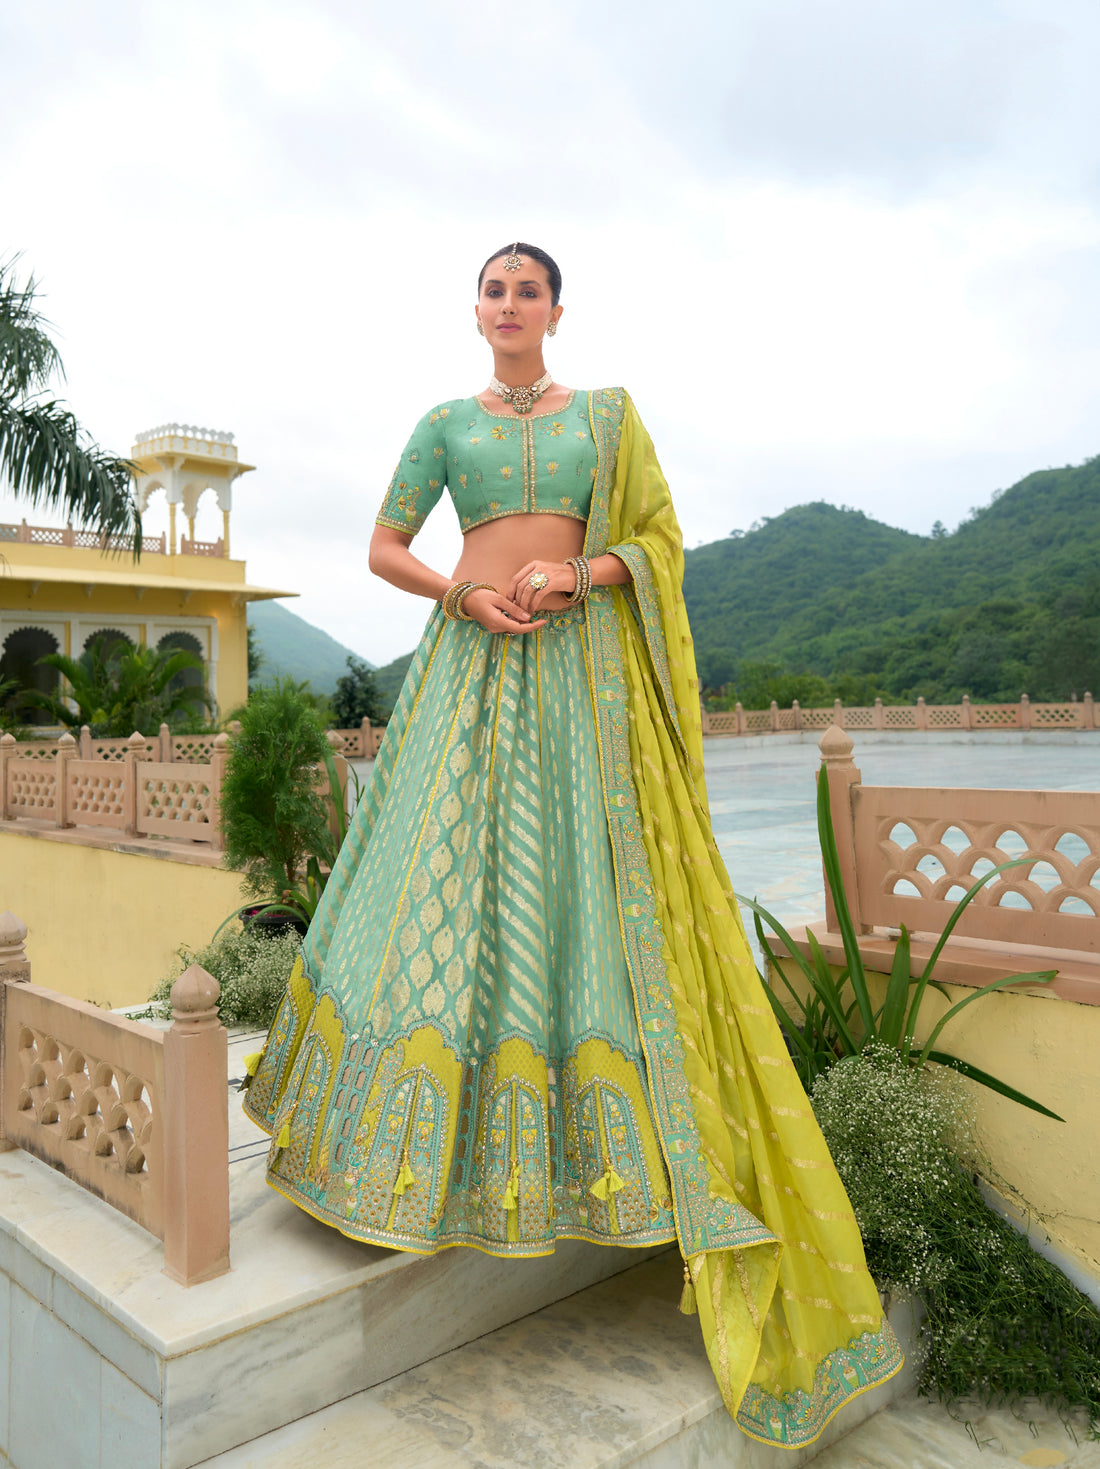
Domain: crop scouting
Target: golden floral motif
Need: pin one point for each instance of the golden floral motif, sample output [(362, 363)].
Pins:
[(552, 467), (498, 433), (476, 440), (555, 429), (462, 480), (506, 471), (439, 451)]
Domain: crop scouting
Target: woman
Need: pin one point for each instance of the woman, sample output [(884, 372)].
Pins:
[(526, 1010)]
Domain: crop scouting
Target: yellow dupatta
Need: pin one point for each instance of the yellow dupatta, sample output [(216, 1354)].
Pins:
[(790, 1316)]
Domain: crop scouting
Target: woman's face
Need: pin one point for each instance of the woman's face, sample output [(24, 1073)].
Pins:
[(514, 306)]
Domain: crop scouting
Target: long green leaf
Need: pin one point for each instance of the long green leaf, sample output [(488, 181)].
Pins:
[(897, 992), (776, 968), (830, 996), (964, 1068), (956, 914), (830, 858), (1041, 976)]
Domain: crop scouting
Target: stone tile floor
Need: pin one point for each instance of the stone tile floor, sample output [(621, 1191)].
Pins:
[(917, 1434)]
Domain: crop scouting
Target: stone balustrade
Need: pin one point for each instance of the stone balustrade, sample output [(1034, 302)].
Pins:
[(161, 785), (1076, 714), (137, 1115)]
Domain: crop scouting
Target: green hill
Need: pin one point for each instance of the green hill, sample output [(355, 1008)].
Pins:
[(1009, 602), (291, 645)]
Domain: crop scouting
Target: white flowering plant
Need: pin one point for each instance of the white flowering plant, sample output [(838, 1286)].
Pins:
[(1000, 1322), (251, 966)]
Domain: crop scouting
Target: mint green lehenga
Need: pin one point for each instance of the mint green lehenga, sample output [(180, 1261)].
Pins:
[(525, 1010)]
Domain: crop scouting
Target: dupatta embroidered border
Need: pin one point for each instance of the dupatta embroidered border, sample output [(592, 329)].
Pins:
[(739, 1136)]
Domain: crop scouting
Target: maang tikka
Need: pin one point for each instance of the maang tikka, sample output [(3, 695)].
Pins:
[(513, 261)]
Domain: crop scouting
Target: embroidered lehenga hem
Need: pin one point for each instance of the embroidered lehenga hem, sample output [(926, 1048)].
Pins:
[(526, 1010)]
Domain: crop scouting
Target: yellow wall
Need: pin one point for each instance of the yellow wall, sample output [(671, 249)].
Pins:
[(105, 925), (1047, 1048)]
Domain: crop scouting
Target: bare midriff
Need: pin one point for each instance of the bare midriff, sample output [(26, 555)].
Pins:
[(495, 552)]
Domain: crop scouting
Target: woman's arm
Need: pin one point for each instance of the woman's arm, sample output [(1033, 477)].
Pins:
[(607, 571), (390, 558)]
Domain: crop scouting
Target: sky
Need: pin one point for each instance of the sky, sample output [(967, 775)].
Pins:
[(835, 249)]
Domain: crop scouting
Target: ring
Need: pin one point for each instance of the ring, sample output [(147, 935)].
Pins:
[(538, 580)]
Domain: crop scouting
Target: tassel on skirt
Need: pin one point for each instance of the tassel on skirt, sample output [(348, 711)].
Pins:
[(457, 1059)]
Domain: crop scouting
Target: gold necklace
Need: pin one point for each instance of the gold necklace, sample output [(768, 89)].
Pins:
[(521, 399)]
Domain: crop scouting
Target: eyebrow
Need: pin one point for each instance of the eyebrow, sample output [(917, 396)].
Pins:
[(494, 282)]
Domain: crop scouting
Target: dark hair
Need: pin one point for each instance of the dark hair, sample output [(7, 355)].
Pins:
[(519, 248)]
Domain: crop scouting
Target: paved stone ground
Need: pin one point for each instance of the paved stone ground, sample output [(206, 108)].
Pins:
[(917, 1434)]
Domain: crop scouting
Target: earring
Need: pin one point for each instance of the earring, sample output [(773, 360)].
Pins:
[(480, 328), (552, 329)]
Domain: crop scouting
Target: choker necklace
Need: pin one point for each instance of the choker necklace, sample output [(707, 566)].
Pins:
[(521, 399)]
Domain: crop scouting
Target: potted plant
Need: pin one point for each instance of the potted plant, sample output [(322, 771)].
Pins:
[(278, 830)]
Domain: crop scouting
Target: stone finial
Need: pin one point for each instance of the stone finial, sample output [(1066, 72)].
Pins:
[(66, 741), (13, 934), (835, 746), (235, 727), (335, 739), (136, 740), (14, 965), (195, 998), (8, 739), (221, 742)]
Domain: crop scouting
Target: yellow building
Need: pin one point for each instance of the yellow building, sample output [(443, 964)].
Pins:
[(59, 589)]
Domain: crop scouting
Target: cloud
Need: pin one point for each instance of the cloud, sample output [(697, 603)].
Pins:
[(843, 250)]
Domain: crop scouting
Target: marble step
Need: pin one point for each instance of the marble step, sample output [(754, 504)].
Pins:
[(612, 1376), (173, 1376)]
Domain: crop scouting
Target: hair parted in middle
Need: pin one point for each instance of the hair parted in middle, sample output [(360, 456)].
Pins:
[(546, 261)]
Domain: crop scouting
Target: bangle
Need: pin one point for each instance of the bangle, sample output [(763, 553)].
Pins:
[(455, 596), (451, 596), (460, 599), (583, 572)]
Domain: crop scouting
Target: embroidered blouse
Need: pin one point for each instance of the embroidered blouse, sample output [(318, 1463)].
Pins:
[(534, 464)]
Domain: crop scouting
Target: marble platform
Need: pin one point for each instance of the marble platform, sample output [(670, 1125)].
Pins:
[(610, 1377), (105, 1361)]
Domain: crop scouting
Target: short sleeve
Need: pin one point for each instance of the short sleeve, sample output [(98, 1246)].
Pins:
[(420, 476)]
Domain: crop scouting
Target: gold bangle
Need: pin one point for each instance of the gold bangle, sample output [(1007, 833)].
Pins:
[(459, 601), (451, 596), (583, 572)]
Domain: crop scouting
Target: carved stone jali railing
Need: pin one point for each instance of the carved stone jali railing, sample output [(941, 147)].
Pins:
[(909, 853), (138, 1116), (919, 716), (132, 795)]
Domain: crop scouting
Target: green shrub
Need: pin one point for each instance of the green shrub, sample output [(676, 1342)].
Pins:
[(272, 817), (252, 968), (1001, 1322)]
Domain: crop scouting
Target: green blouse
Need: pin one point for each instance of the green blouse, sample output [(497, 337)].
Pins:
[(535, 464)]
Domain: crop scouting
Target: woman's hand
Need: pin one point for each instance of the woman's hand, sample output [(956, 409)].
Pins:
[(498, 613), (559, 578)]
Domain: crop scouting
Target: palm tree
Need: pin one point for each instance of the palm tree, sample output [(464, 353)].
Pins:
[(45, 456), (118, 689)]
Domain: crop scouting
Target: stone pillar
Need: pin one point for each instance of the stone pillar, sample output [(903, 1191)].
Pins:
[(966, 711), (218, 760), (774, 717), (796, 710), (704, 718), (1088, 712), (164, 743), (85, 742), (171, 527), (839, 769), (14, 969), (9, 748), (1024, 716), (66, 749), (878, 718), (838, 714), (225, 533), (368, 744), (135, 751), (740, 717), (196, 1133), (922, 713)]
